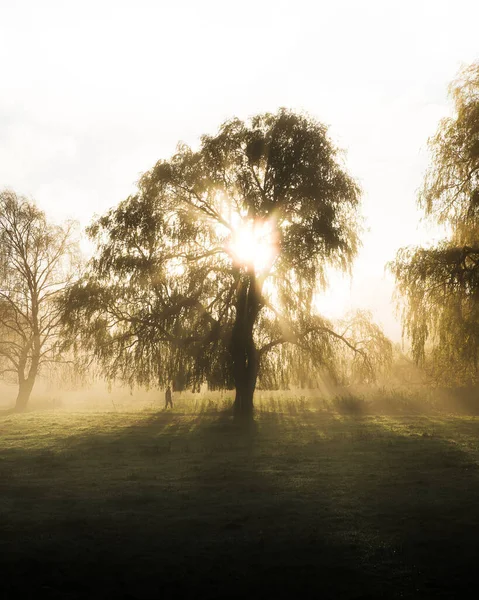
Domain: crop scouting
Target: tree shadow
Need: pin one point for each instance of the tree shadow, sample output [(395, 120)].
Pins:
[(173, 504)]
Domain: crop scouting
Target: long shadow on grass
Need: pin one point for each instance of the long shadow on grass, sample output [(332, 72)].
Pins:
[(193, 506)]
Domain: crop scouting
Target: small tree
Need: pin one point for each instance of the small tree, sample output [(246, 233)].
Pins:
[(209, 272), (36, 262), (440, 285)]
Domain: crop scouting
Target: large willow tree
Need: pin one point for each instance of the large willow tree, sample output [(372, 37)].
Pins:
[(440, 285), (209, 272)]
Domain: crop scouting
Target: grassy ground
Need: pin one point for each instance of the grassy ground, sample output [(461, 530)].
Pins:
[(176, 504)]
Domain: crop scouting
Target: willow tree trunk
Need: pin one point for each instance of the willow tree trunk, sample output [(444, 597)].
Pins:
[(26, 383), (24, 391), (243, 350)]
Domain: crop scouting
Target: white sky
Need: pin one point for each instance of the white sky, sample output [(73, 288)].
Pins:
[(92, 94)]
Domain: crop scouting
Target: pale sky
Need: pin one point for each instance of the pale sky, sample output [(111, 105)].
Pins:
[(92, 94)]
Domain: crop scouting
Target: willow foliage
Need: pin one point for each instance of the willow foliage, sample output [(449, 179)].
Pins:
[(165, 298), (440, 286)]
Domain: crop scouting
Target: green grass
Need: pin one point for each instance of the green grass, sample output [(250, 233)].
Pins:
[(184, 504)]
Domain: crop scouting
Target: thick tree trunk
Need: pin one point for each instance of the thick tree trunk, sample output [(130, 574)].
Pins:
[(245, 385), (26, 383), (24, 391), (243, 350)]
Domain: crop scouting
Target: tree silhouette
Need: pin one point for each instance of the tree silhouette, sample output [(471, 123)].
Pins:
[(440, 285), (209, 272), (36, 260)]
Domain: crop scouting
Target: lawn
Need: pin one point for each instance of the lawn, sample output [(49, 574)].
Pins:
[(310, 504)]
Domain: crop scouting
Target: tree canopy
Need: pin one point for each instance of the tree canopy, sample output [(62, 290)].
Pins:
[(36, 263), (209, 272), (440, 285)]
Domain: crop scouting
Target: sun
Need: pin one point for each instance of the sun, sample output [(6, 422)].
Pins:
[(254, 244)]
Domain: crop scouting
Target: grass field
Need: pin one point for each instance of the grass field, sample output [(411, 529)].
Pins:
[(182, 504)]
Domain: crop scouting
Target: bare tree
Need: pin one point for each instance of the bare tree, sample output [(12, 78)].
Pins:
[(37, 260)]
